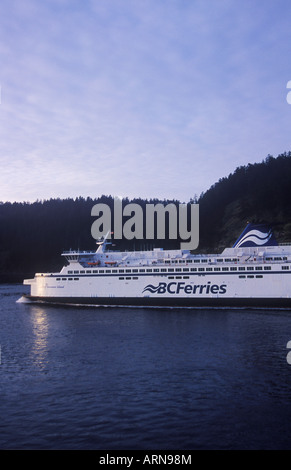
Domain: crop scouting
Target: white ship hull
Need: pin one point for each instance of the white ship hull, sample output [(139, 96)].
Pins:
[(205, 290), (240, 276)]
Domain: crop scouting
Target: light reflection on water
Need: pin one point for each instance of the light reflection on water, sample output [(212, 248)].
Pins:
[(40, 331)]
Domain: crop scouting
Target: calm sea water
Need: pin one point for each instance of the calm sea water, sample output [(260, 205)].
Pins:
[(135, 378)]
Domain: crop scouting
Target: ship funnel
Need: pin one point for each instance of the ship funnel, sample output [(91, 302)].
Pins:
[(256, 235)]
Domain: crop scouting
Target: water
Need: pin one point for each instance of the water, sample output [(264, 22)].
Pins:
[(135, 378)]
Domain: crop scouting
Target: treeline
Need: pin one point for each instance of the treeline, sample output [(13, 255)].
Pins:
[(33, 235), (259, 192)]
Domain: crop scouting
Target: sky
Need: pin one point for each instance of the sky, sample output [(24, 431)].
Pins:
[(139, 98)]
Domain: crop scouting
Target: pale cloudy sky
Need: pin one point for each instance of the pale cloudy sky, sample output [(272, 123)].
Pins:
[(139, 98)]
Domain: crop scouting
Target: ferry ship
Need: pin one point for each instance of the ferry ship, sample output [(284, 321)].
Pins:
[(254, 272)]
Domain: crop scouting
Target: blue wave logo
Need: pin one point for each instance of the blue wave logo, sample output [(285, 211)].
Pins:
[(256, 237), (152, 289)]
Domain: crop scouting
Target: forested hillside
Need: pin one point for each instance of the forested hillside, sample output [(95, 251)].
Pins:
[(258, 192), (33, 235)]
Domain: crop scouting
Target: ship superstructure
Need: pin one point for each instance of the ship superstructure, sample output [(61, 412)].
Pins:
[(256, 271)]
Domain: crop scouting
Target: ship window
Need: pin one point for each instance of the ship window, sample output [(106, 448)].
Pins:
[(285, 267), (64, 278), (135, 270), (58, 278), (114, 270), (171, 277), (242, 276), (178, 269), (88, 271), (178, 277), (70, 272), (101, 271), (208, 269), (128, 270), (76, 279), (128, 278), (163, 270), (193, 269), (185, 277), (189, 260), (185, 269), (219, 260), (216, 269), (95, 271), (121, 278), (76, 272), (142, 270), (201, 269), (70, 278), (259, 268), (171, 270), (250, 268), (250, 276), (156, 270), (149, 270), (267, 268), (121, 270), (108, 271), (82, 272), (224, 269), (204, 261), (196, 260), (135, 278), (259, 275), (233, 269), (241, 269), (277, 258)]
